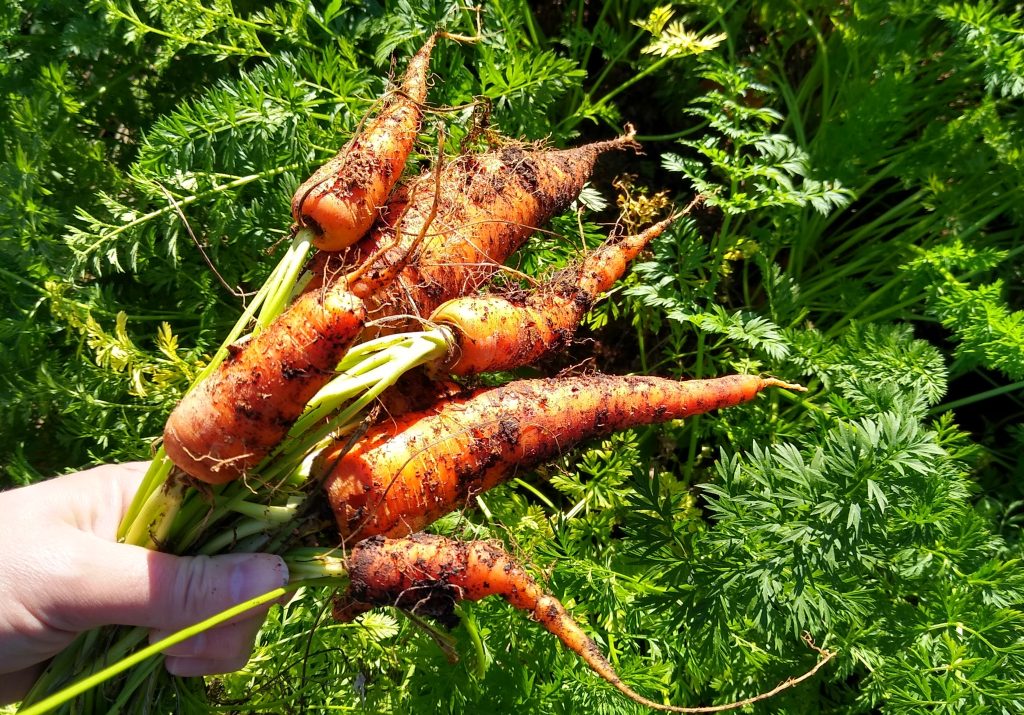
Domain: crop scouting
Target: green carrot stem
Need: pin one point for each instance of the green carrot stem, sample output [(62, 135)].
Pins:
[(359, 352), (154, 478), (136, 679), (388, 366), (285, 276), (269, 513), (153, 523), (469, 623), (139, 656), (224, 539), (312, 563), (334, 395)]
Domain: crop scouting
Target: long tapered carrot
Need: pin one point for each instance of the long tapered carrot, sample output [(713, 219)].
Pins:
[(427, 575), (340, 200), (503, 332), (231, 420), (405, 473)]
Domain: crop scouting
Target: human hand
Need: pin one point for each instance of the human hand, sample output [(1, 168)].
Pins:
[(62, 572)]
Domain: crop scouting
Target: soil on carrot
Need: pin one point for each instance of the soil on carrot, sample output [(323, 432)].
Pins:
[(432, 595)]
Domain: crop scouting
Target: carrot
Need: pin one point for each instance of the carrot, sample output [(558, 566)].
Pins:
[(231, 420), (473, 216), (340, 200), (494, 332), (326, 266), (405, 473), (469, 219), (428, 575), (415, 391)]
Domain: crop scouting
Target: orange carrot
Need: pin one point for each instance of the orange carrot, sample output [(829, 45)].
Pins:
[(427, 575), (326, 266), (415, 391), (472, 218), (340, 200), (494, 332), (405, 473), (231, 420), (468, 220)]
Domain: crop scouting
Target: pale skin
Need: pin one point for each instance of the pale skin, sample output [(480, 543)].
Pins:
[(62, 572)]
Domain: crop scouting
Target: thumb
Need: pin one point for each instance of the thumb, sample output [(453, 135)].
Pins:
[(130, 585)]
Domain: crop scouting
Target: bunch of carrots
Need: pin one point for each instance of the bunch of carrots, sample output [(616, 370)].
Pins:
[(386, 282)]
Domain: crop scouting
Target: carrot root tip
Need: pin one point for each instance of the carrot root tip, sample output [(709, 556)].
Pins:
[(775, 382)]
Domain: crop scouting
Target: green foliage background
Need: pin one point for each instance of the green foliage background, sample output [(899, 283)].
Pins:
[(861, 165)]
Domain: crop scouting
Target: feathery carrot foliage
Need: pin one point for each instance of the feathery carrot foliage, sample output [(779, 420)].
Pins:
[(860, 231)]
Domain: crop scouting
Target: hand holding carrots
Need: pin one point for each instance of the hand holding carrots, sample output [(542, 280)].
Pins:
[(395, 257), (62, 572)]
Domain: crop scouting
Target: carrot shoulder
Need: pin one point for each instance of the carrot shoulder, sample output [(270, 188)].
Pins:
[(231, 420), (504, 332), (405, 473), (340, 200)]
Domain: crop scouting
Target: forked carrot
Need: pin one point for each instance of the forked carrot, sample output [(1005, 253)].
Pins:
[(427, 575)]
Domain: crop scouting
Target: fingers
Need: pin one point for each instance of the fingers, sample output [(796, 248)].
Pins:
[(168, 593), (224, 649), (130, 585)]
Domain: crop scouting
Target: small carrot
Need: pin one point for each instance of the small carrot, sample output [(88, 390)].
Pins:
[(231, 420), (407, 472), (427, 575), (340, 200), (494, 332), (326, 266)]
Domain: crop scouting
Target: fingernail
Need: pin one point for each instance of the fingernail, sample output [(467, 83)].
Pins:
[(257, 575)]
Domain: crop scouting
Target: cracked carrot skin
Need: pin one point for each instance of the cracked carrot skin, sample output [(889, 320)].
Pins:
[(428, 575), (407, 472), (230, 421), (340, 200), (505, 332)]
